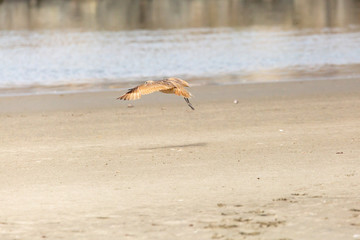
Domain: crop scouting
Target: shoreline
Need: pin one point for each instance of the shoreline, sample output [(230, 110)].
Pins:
[(107, 98), (39, 90), (280, 164)]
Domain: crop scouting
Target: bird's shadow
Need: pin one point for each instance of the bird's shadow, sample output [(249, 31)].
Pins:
[(200, 144)]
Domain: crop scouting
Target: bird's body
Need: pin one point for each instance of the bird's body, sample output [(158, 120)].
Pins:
[(169, 85)]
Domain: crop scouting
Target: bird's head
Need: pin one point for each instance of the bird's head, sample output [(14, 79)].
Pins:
[(149, 82)]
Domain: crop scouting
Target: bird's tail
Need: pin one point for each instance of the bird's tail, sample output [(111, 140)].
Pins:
[(188, 102)]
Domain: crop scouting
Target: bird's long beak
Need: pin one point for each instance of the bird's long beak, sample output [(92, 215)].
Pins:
[(188, 102)]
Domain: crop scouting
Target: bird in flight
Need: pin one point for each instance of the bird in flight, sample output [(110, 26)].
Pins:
[(168, 85)]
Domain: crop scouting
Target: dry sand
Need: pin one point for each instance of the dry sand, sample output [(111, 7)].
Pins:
[(283, 163)]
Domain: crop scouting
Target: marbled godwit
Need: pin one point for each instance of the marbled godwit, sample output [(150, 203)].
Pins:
[(168, 85)]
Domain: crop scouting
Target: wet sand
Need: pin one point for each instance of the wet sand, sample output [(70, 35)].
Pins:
[(283, 163)]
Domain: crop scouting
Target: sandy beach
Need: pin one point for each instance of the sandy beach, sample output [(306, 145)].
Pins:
[(282, 163)]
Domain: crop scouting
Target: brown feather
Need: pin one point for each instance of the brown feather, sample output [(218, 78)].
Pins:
[(169, 85), (179, 81), (182, 92), (146, 88)]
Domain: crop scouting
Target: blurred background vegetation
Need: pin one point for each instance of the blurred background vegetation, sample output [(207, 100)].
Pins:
[(114, 15)]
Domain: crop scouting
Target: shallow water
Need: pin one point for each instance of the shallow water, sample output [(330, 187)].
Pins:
[(206, 42)]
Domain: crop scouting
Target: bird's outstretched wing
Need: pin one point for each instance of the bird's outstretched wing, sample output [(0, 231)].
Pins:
[(178, 81), (179, 85), (146, 88)]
